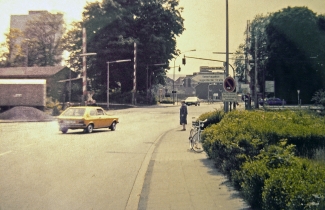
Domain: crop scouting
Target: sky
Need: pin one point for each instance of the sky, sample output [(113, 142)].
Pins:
[(205, 23)]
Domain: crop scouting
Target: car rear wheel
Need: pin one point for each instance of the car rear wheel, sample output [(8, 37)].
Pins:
[(89, 128), (64, 130), (113, 126)]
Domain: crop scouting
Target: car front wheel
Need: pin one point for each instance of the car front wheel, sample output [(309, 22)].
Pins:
[(89, 128), (113, 126)]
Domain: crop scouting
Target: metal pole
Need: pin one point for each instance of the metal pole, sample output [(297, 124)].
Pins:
[(134, 75), (255, 86), (174, 82), (69, 85), (227, 52), (84, 73), (107, 85), (147, 86)]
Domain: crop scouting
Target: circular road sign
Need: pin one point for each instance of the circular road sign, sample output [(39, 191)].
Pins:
[(229, 84)]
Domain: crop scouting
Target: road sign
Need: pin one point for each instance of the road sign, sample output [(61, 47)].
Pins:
[(269, 86), (229, 84), (229, 96), (208, 78)]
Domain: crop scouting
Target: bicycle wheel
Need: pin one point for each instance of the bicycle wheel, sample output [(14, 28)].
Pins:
[(192, 132), (196, 143)]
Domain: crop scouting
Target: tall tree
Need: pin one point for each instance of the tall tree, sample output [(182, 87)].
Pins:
[(7, 57), (112, 29), (291, 52), (295, 38), (44, 33), (240, 63)]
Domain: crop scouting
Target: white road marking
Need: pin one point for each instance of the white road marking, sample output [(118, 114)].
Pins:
[(6, 153)]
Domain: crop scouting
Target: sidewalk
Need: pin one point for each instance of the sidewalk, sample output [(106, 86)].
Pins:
[(178, 178)]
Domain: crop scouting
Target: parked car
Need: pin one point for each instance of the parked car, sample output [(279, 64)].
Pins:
[(86, 118), (273, 101), (192, 101)]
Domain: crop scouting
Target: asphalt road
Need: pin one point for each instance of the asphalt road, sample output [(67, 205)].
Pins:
[(41, 168)]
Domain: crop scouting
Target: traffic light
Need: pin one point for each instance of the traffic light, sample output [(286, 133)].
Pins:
[(179, 69), (184, 60)]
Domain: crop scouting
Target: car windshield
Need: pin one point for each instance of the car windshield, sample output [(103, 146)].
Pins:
[(74, 112)]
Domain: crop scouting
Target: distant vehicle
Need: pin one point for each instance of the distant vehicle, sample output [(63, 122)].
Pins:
[(86, 118), (192, 101), (273, 101)]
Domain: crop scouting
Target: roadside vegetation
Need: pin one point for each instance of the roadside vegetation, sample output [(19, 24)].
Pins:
[(272, 157)]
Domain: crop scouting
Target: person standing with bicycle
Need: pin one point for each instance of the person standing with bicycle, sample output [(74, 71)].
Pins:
[(183, 115)]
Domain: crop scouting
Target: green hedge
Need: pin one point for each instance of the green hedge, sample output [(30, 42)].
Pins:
[(259, 151), (212, 117)]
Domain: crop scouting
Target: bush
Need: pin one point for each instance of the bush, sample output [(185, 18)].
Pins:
[(258, 151), (212, 117), (54, 106), (319, 97), (253, 174), (300, 186)]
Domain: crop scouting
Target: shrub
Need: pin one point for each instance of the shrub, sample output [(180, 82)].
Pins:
[(253, 174), (257, 151), (319, 97), (212, 117), (300, 186)]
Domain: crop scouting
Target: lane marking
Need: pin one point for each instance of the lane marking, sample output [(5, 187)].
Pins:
[(6, 153)]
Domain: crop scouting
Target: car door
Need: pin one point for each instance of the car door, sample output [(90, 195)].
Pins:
[(100, 119)]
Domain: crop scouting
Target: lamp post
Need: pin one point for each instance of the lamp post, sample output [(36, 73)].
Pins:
[(108, 62), (174, 73), (157, 64), (298, 91)]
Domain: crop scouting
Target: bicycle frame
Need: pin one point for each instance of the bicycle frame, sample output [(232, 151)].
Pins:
[(195, 136)]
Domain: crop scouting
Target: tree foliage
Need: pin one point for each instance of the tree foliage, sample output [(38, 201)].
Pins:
[(44, 34), (296, 45), (41, 42), (19, 57), (290, 51), (112, 29)]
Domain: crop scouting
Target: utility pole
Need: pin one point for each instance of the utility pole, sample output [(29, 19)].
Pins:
[(255, 86), (227, 53)]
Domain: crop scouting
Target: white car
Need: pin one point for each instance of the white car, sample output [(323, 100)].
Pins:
[(192, 101)]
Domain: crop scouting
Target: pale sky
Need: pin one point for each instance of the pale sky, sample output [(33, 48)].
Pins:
[(205, 22)]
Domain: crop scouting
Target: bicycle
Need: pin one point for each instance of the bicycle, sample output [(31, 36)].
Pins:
[(195, 136)]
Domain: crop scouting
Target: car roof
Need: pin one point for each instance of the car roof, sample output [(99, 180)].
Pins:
[(85, 107)]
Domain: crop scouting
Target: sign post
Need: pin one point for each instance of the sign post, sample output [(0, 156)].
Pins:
[(230, 95)]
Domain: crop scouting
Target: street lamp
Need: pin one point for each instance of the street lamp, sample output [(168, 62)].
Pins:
[(174, 73), (108, 62), (157, 64), (298, 91)]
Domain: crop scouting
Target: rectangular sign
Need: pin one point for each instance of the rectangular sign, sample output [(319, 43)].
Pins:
[(208, 78), (229, 96), (269, 86)]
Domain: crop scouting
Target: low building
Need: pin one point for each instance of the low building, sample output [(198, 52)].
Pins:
[(56, 77)]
